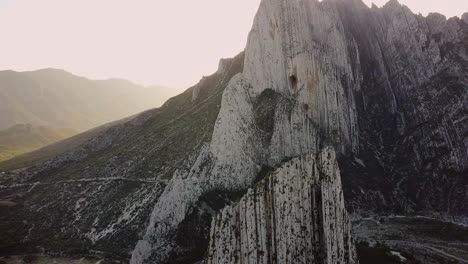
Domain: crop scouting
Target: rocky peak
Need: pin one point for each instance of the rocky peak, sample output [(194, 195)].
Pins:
[(393, 4), (395, 10), (436, 18), (223, 65), (465, 18)]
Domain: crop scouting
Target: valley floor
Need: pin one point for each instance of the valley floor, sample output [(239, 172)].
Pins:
[(32, 259), (410, 240)]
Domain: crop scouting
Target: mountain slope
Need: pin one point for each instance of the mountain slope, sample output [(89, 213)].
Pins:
[(101, 192), (24, 138), (53, 150), (56, 98)]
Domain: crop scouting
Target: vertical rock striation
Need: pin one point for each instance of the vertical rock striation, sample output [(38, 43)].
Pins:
[(412, 108), (363, 80), (299, 64), (295, 215)]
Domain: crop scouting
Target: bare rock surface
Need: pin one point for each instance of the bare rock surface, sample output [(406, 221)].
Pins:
[(295, 215), (367, 81)]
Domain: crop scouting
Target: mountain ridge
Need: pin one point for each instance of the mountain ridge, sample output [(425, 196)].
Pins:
[(138, 140), (57, 98)]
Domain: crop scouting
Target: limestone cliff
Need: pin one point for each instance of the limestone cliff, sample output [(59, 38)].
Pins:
[(295, 215), (292, 92), (337, 72)]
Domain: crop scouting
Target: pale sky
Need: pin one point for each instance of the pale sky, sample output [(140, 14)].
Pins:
[(166, 42)]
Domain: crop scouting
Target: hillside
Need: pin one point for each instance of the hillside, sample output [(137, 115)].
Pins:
[(156, 142), (56, 98), (28, 158), (24, 138)]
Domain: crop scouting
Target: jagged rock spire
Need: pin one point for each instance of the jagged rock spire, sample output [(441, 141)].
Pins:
[(295, 215), (465, 18)]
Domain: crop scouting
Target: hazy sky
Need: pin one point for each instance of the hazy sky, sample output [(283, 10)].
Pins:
[(167, 42)]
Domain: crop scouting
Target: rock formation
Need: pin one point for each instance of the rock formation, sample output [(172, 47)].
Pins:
[(295, 215), (304, 92), (335, 72), (383, 87)]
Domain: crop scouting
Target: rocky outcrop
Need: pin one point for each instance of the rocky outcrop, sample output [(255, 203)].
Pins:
[(412, 112), (295, 215), (335, 73), (306, 89), (465, 18)]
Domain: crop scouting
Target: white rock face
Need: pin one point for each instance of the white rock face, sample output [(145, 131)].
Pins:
[(465, 18), (299, 49), (306, 56), (285, 54), (295, 215)]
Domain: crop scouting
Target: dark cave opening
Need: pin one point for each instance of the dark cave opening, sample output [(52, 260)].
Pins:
[(293, 81)]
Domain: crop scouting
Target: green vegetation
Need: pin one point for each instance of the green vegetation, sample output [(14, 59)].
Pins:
[(22, 138), (7, 153), (34, 157)]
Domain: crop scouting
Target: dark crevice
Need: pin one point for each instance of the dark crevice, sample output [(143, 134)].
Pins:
[(293, 81)]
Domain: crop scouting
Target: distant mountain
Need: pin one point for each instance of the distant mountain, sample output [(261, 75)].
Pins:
[(23, 138), (56, 98), (23, 159)]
